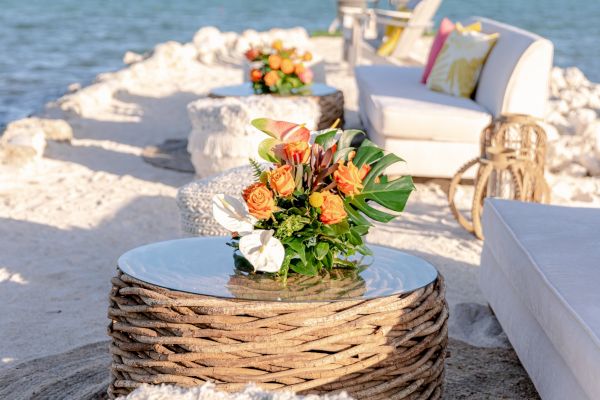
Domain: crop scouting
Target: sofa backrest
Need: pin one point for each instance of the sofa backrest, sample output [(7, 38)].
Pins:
[(516, 75)]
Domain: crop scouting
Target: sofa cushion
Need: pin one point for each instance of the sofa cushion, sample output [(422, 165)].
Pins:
[(551, 256), (516, 75), (398, 105)]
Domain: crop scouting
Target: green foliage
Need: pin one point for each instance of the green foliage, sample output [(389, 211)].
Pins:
[(256, 168), (289, 225)]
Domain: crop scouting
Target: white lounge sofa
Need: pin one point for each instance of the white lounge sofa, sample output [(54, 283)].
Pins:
[(540, 272), (437, 133)]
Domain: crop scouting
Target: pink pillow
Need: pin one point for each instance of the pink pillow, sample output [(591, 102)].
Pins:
[(446, 26)]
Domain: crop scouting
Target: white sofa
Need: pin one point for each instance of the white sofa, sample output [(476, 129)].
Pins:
[(437, 133), (540, 272)]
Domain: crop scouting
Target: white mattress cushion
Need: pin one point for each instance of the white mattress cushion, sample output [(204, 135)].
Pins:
[(398, 105), (551, 256)]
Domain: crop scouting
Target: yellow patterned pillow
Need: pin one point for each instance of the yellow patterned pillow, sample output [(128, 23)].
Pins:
[(457, 67)]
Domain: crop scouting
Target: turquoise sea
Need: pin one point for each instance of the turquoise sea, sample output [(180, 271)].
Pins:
[(46, 45)]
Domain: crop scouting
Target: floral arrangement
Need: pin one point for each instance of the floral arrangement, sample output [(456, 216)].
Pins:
[(312, 203), (279, 70)]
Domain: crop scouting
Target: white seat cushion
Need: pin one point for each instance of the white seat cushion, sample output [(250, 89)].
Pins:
[(398, 105), (551, 257)]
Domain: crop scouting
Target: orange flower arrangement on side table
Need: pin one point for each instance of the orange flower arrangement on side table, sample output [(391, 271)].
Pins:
[(279, 70), (309, 209)]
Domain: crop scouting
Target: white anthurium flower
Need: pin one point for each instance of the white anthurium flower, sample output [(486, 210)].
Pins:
[(262, 250), (232, 214)]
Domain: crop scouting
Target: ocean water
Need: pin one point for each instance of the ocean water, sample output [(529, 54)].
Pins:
[(47, 45)]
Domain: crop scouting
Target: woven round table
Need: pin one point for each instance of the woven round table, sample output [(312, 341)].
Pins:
[(329, 100), (182, 314)]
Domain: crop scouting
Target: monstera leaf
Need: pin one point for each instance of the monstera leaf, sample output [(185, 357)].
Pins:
[(389, 194)]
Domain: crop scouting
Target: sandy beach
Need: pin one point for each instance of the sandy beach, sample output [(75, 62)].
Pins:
[(67, 217)]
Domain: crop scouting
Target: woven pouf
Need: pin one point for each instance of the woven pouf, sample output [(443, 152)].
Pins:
[(195, 200), (382, 348)]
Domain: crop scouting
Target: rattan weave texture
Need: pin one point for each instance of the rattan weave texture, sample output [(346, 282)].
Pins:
[(383, 348)]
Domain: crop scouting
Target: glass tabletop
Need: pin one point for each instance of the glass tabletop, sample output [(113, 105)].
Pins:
[(245, 89), (206, 266)]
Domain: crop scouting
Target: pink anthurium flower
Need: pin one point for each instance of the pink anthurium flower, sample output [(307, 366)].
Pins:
[(281, 130)]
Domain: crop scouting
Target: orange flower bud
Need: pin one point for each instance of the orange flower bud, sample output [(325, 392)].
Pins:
[(274, 61), (299, 69), (277, 45), (282, 181), (348, 179), (307, 56), (363, 171), (259, 200), (287, 67), (297, 152), (251, 54), (332, 209), (255, 75), (271, 78)]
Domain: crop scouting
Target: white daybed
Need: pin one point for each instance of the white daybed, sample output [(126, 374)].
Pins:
[(540, 272)]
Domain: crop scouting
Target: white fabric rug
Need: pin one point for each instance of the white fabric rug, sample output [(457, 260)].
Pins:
[(208, 392)]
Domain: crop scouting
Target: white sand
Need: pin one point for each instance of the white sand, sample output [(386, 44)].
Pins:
[(65, 220)]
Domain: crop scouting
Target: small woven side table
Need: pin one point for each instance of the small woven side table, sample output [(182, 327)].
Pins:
[(181, 314)]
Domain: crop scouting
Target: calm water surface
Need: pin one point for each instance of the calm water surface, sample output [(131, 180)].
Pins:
[(46, 45)]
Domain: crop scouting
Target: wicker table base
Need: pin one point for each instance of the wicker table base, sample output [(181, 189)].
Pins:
[(383, 348)]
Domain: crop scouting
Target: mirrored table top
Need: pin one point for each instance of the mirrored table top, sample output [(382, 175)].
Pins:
[(245, 89), (206, 266)]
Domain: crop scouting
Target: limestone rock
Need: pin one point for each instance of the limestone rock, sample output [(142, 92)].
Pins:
[(208, 41), (580, 119), (131, 57), (58, 130), (23, 141), (575, 78), (74, 87), (591, 163)]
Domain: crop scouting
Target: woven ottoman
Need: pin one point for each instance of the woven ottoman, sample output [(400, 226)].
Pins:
[(180, 314), (195, 200), (222, 137)]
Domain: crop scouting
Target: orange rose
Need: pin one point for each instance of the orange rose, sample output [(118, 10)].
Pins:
[(255, 75), (271, 78), (287, 66), (299, 69), (274, 61), (297, 152), (282, 181), (307, 56), (348, 179), (332, 209), (259, 200)]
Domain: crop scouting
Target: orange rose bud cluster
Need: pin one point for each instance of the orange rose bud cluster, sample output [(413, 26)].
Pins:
[(297, 152), (287, 66), (271, 78), (274, 61), (332, 209), (282, 181), (259, 200), (349, 178), (255, 75)]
